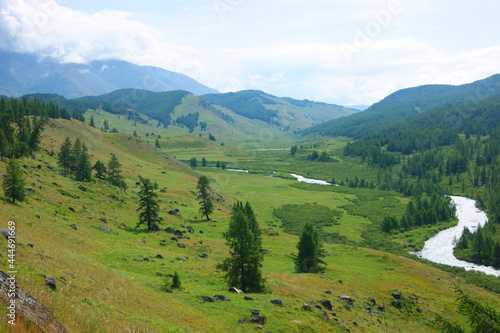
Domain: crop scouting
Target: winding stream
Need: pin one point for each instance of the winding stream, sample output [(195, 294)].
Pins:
[(439, 248)]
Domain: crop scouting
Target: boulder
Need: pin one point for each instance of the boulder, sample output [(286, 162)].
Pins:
[(163, 190), (204, 255), (7, 233), (71, 209), (397, 303), (326, 304), (51, 167), (170, 230), (222, 298), (397, 294), (159, 256), (207, 299), (51, 282), (257, 318), (235, 290), (346, 299), (174, 239), (306, 307), (83, 188), (182, 246), (277, 302), (182, 259), (73, 226), (248, 298), (178, 233), (105, 229), (190, 230), (103, 220), (325, 314), (173, 211), (155, 227)]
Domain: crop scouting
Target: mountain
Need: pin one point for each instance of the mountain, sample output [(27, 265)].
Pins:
[(407, 102), (24, 73)]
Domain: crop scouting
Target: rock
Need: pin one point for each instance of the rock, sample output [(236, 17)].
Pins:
[(325, 314), (174, 239), (182, 259), (204, 255), (263, 250), (37, 216), (190, 230), (248, 298), (163, 190), (145, 259), (178, 233), (56, 184), (163, 244), (381, 308), (71, 209), (73, 226), (75, 196), (326, 304), (124, 225), (327, 292), (159, 256), (235, 290), (7, 233), (241, 321), (207, 299), (397, 303), (170, 230), (103, 220), (201, 231), (257, 318), (51, 167), (277, 302), (306, 307), (105, 229), (83, 188), (396, 294), (40, 181), (173, 211), (346, 299), (28, 188), (155, 227), (222, 298), (169, 291), (51, 282), (182, 246), (373, 301)]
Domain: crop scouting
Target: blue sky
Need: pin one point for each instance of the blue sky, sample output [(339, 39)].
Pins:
[(337, 51)]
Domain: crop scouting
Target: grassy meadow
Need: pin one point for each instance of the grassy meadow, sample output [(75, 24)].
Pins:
[(113, 282)]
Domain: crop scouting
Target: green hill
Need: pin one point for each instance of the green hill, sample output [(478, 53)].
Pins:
[(407, 102)]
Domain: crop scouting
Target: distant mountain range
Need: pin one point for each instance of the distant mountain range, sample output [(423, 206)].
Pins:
[(24, 73), (408, 102)]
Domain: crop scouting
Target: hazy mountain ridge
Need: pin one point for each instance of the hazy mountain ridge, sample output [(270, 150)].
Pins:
[(23, 74), (407, 102)]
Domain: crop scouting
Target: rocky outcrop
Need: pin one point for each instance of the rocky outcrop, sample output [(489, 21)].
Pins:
[(28, 307)]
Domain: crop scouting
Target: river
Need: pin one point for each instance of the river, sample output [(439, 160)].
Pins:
[(439, 248)]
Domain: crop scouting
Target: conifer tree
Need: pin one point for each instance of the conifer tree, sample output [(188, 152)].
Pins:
[(114, 172), (206, 205), (75, 154), (148, 203), (176, 281), (83, 166), (64, 156), (243, 267), (100, 169), (92, 121), (13, 182), (311, 251)]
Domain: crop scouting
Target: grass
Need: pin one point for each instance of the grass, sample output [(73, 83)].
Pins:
[(108, 291)]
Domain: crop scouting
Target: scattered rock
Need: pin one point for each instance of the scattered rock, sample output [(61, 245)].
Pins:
[(222, 298), (346, 299), (170, 230), (325, 314), (306, 307), (155, 227), (207, 299), (201, 231), (257, 318), (277, 302), (263, 250), (204, 255), (103, 220), (28, 188), (163, 190), (381, 308), (169, 291), (326, 304), (173, 211), (183, 246), (327, 292), (248, 298), (51, 282), (174, 239), (71, 209), (396, 294), (51, 167), (190, 230), (73, 226), (7, 233), (235, 290), (105, 229), (75, 196), (145, 259), (182, 259), (397, 303), (124, 225), (178, 233), (83, 188), (40, 181), (241, 321), (159, 256)]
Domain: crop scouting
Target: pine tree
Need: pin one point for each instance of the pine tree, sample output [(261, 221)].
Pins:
[(114, 172), (243, 267), (75, 154), (64, 156), (84, 167), (176, 281), (157, 143), (100, 170), (193, 163), (206, 205), (203, 162), (148, 203), (92, 121), (311, 251), (13, 182)]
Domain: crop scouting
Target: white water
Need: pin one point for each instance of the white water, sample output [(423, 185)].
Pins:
[(237, 170), (439, 249), (310, 180)]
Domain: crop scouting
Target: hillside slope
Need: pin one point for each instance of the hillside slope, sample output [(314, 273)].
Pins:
[(407, 102), (112, 281)]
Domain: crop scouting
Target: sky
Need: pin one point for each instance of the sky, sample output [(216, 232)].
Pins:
[(347, 52)]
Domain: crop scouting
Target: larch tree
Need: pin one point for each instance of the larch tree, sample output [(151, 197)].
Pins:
[(13, 182), (115, 172), (206, 205), (148, 203), (243, 267), (308, 260)]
